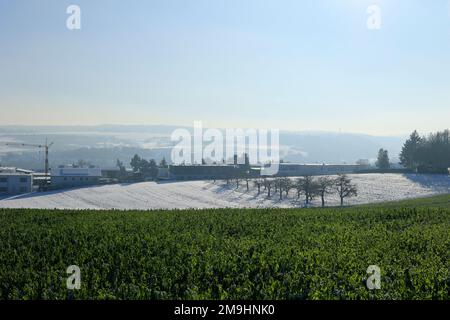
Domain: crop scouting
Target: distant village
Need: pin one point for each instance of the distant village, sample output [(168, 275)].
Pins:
[(419, 154), (14, 181)]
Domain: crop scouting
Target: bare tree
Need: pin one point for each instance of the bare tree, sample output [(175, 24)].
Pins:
[(287, 185), (228, 178), (345, 188), (324, 186), (268, 185), (238, 180), (307, 186), (279, 187), (275, 184), (247, 180), (297, 185), (258, 182)]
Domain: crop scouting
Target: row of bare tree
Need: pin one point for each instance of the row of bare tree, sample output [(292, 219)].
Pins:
[(308, 186)]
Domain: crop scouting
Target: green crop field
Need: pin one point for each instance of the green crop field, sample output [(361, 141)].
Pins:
[(229, 253)]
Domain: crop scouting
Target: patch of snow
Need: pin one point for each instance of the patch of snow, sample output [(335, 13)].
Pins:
[(204, 194)]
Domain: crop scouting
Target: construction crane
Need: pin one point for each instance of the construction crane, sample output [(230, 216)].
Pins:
[(46, 146)]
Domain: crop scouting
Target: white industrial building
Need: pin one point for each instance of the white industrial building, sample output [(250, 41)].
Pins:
[(69, 177), (15, 181)]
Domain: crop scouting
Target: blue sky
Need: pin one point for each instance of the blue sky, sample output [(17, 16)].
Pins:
[(293, 65)]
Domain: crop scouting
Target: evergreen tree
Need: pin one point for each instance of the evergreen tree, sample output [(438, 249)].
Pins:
[(136, 163), (153, 169), (427, 154), (144, 168), (163, 163), (383, 159), (122, 170), (408, 156)]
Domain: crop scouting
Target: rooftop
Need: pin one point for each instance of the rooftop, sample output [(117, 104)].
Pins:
[(13, 171), (83, 172)]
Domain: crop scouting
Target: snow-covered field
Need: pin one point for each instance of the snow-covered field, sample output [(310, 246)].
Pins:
[(202, 194)]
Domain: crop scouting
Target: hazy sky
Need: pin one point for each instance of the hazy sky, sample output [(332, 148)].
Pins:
[(296, 65)]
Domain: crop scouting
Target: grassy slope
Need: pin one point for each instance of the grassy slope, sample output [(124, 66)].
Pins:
[(440, 201), (223, 253)]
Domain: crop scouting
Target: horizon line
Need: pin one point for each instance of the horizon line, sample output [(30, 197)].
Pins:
[(192, 126)]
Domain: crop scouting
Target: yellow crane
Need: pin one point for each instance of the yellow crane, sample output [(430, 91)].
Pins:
[(46, 146)]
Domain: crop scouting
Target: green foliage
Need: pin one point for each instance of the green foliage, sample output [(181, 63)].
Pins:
[(345, 188), (136, 163), (427, 154), (383, 159), (226, 253), (163, 163), (143, 168), (409, 154)]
